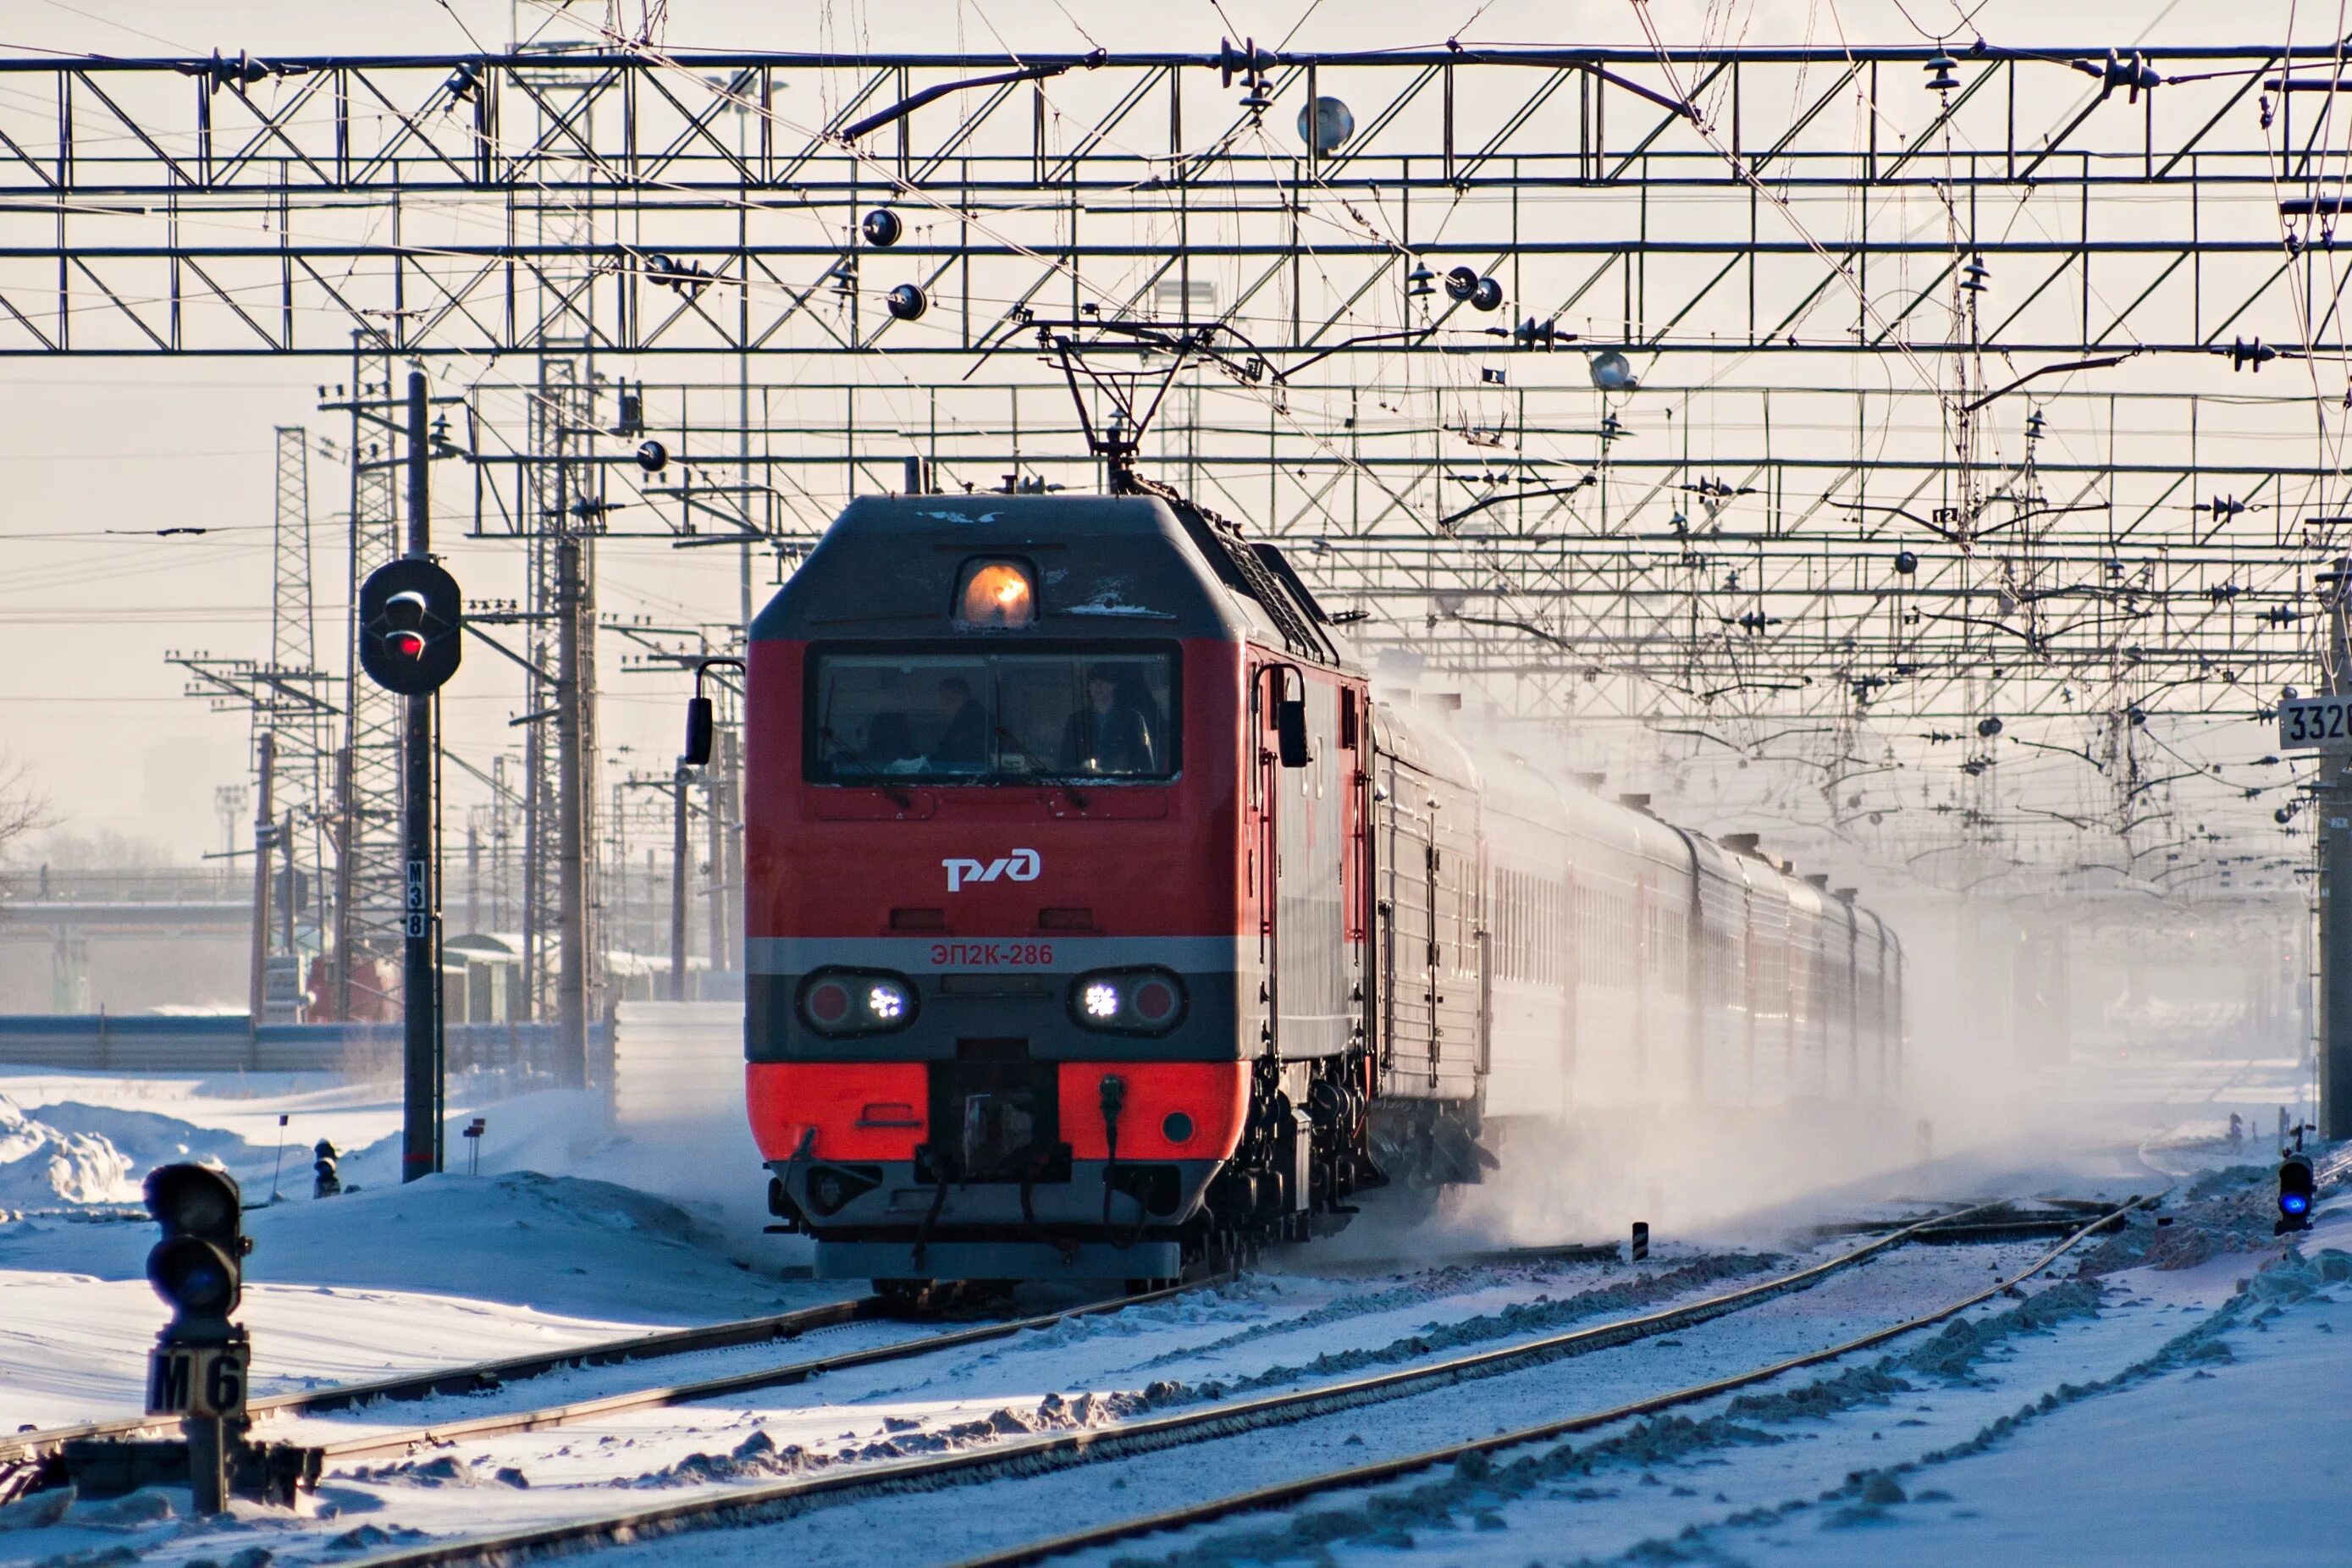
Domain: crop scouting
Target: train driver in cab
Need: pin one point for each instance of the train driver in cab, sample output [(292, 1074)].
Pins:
[(1108, 735), (963, 745)]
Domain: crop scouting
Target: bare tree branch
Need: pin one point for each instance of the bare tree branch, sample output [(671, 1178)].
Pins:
[(24, 809)]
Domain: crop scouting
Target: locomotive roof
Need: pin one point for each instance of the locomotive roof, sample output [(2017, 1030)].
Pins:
[(1105, 566)]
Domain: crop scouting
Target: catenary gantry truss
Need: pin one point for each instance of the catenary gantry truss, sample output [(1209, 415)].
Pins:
[(1889, 390)]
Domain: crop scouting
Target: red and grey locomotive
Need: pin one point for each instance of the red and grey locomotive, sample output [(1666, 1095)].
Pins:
[(1100, 925)]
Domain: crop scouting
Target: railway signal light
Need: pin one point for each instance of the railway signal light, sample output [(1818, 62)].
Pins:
[(198, 1266), (412, 626), (2296, 1193)]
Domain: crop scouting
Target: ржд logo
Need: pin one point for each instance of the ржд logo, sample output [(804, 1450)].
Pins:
[(1021, 866)]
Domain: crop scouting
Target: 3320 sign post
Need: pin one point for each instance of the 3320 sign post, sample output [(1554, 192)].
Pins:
[(2314, 723)]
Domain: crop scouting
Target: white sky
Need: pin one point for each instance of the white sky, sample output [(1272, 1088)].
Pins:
[(85, 620)]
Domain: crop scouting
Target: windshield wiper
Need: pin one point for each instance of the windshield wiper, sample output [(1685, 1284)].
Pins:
[(866, 772), (1077, 801)]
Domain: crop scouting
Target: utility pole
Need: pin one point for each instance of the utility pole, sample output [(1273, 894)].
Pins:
[(714, 881), (339, 957), (738, 896), (2334, 801), (292, 903), (420, 1146), (572, 813), (678, 853), (265, 833)]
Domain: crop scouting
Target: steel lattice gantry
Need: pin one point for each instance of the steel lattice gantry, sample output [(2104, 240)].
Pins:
[(277, 207), (1935, 398)]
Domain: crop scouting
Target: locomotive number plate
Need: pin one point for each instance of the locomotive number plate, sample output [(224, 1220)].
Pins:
[(2310, 723), (992, 954)]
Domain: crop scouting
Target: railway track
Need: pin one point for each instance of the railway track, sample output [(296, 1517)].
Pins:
[(507, 1422), (34, 1447), (1939, 1229), (768, 1501), (476, 1377), (1285, 1494)]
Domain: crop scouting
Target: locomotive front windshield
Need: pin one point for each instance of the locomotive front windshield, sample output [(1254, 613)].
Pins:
[(970, 717)]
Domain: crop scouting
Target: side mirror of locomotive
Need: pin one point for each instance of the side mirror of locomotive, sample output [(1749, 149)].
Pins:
[(1290, 726), (697, 733)]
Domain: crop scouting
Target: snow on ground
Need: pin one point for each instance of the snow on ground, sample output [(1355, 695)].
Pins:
[(445, 1270), (654, 1231), (453, 1269), (2155, 1428), (2242, 1462)]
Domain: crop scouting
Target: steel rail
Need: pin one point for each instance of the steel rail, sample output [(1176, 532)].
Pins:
[(765, 1501), (476, 1376), (409, 1440), (1283, 1493)]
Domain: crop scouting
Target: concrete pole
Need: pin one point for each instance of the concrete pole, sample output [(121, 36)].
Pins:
[(265, 830), (739, 894), (289, 912), (339, 971), (420, 1004), (572, 813), (2335, 886), (678, 853), (714, 881)]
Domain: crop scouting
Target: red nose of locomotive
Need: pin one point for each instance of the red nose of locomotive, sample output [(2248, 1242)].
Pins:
[(997, 982)]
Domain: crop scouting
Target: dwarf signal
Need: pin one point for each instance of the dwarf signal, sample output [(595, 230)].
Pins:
[(198, 1268), (2297, 1191), (197, 1369)]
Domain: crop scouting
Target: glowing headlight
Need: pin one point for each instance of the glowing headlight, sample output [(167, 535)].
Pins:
[(1141, 1001), (996, 593), (846, 1002)]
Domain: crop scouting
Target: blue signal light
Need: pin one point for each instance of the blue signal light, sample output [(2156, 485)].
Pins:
[(2294, 1204)]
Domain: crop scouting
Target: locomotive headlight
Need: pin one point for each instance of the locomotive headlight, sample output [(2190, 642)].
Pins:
[(996, 595), (847, 1002), (1141, 1001)]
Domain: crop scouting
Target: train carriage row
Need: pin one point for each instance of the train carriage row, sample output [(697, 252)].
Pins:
[(1618, 960)]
